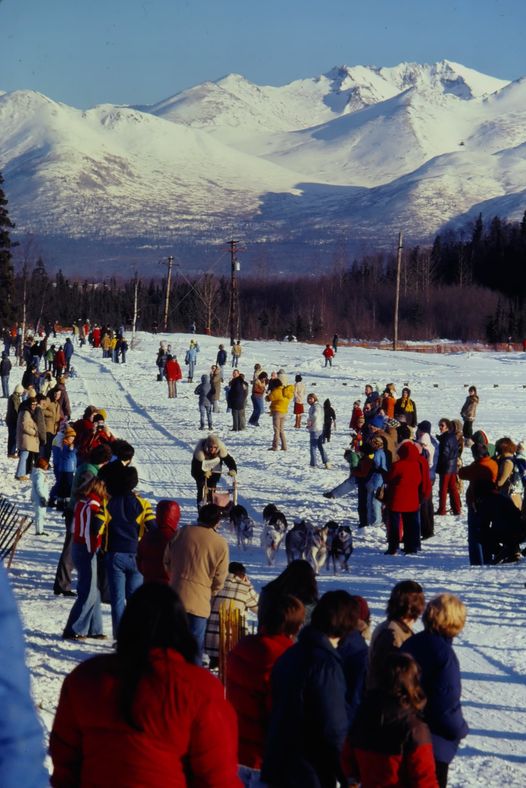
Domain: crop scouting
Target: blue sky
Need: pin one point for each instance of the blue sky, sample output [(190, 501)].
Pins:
[(141, 51)]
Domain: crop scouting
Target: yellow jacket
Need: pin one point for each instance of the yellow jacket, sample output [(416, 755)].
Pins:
[(280, 398)]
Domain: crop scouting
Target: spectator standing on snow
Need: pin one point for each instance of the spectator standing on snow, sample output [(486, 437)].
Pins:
[(26, 439), (236, 400), (259, 385), (204, 393), (443, 619), (221, 360), (328, 355), (150, 554), (237, 592), (197, 564), (68, 352), (335, 341), (407, 484), (5, 371), (248, 678), (236, 353), (405, 409), (447, 468), (315, 428), (469, 412), (123, 520), (390, 743), (329, 420), (190, 359), (145, 715), (308, 721), (405, 606), (11, 419), (482, 471), (173, 373), (299, 400), (215, 383), (279, 398), (39, 494)]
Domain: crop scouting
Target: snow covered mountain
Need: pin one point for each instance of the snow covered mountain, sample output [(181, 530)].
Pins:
[(353, 155)]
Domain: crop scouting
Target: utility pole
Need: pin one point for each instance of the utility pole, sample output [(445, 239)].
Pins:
[(397, 291), (170, 262), (233, 312), (24, 316), (136, 283)]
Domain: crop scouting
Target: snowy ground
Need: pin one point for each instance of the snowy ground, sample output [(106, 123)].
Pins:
[(492, 647)]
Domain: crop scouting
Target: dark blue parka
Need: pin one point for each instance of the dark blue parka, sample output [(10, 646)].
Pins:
[(308, 722), (441, 684), (354, 653), (447, 453)]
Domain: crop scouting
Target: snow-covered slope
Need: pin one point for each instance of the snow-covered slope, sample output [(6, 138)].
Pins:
[(357, 153)]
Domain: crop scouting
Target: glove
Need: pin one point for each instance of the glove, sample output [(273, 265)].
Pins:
[(43, 501), (232, 473), (208, 474)]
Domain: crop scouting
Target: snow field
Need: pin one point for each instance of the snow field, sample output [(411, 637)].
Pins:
[(492, 647)]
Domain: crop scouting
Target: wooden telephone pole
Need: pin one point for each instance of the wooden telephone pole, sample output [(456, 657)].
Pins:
[(397, 291), (233, 312), (169, 262)]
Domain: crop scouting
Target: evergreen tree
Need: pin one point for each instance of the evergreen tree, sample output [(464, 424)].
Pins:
[(7, 310)]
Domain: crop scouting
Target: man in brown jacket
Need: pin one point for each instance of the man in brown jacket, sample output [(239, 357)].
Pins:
[(196, 561)]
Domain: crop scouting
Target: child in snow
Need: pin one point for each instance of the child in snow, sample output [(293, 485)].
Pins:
[(39, 493), (329, 420), (67, 465), (237, 590), (357, 414)]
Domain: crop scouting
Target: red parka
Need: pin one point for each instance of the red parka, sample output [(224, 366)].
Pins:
[(188, 733), (408, 481), (248, 689), (173, 370), (150, 553)]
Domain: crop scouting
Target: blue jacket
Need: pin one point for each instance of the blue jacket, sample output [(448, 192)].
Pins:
[(67, 462), (441, 684), (123, 520), (308, 721), (21, 745), (68, 348), (221, 357), (354, 653)]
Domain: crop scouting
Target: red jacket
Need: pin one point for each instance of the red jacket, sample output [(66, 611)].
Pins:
[(188, 736), (389, 747), (328, 352), (59, 359), (249, 666), (150, 553), (408, 480), (173, 370)]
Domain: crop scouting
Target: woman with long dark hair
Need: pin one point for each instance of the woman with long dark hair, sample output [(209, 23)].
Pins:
[(298, 579), (146, 715)]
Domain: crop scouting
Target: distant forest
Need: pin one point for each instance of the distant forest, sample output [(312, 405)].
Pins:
[(470, 285)]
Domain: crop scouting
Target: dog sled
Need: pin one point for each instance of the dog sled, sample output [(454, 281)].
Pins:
[(224, 497)]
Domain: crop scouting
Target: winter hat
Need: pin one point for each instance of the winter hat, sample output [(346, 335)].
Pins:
[(167, 515), (69, 432), (424, 426), (212, 440), (365, 613), (19, 389), (378, 422)]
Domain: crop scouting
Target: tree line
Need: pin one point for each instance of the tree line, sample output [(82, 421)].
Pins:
[(469, 285)]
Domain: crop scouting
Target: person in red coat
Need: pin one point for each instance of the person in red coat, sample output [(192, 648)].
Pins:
[(328, 354), (408, 483), (146, 715), (173, 373), (59, 362), (249, 666), (151, 548), (390, 744)]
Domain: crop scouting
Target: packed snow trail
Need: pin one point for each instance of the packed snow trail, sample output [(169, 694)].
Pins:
[(491, 649)]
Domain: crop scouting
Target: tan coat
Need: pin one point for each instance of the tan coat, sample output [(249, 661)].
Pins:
[(26, 432), (196, 561), (53, 415), (387, 636)]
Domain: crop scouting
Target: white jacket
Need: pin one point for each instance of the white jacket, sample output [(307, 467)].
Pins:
[(315, 418)]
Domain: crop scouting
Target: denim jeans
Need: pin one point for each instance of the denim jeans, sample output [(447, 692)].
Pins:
[(205, 412), (123, 579), (197, 625), (258, 406), (316, 442), (22, 463), (374, 506), (191, 369), (477, 551), (85, 617), (5, 386), (344, 488)]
